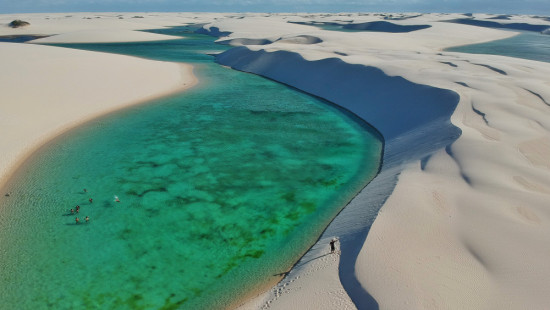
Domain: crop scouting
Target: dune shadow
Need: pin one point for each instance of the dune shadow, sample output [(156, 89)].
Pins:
[(492, 68), (244, 41), (300, 263), (362, 299), (413, 120)]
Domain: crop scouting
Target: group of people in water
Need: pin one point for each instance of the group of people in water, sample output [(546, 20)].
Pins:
[(76, 210), (87, 219)]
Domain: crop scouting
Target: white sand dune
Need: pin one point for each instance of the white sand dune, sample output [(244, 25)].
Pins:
[(454, 231), (458, 217), (94, 27), (103, 36)]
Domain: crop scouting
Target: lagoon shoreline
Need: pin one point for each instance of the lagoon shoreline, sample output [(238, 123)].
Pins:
[(35, 120), (35, 148), (441, 227)]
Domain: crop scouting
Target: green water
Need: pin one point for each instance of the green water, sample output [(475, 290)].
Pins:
[(221, 188), (527, 45)]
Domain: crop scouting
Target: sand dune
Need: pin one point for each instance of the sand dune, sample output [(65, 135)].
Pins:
[(91, 36), (452, 232), (95, 27)]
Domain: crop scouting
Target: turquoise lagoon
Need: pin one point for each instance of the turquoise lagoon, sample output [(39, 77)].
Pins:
[(221, 189), (527, 45)]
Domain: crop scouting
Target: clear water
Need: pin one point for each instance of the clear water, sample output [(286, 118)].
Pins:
[(221, 188), (527, 45)]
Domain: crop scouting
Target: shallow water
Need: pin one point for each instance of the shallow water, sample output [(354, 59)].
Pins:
[(527, 45), (18, 38), (221, 188)]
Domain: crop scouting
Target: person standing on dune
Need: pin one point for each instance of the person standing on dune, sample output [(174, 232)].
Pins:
[(333, 245)]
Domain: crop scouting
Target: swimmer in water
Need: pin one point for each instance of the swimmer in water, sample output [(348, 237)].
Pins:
[(116, 199), (87, 219), (76, 220), (90, 200)]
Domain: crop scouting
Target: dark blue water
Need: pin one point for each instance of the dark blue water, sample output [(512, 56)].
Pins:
[(19, 38)]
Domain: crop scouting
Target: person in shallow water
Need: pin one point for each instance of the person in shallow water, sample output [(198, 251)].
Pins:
[(76, 220), (72, 211), (87, 219), (90, 200)]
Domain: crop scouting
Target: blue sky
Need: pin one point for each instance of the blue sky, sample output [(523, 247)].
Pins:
[(537, 7)]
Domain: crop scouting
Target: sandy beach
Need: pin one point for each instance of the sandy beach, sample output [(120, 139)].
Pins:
[(47, 95), (458, 217)]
